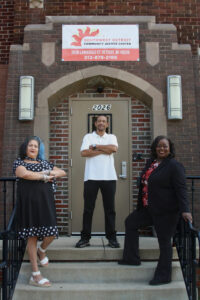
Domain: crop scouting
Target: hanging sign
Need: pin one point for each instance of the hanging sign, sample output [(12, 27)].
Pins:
[(100, 42)]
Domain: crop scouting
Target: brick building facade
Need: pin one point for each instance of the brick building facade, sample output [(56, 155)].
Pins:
[(169, 44)]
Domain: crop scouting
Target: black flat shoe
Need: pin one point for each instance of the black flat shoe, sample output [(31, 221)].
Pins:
[(158, 281), (126, 263), (82, 243), (113, 243)]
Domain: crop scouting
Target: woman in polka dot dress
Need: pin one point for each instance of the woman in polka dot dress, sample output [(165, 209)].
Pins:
[(36, 207)]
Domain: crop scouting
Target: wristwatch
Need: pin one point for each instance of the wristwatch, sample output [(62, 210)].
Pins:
[(94, 146)]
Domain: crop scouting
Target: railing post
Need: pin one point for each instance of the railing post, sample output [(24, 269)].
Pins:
[(5, 270), (192, 188), (13, 194), (185, 240), (194, 265), (4, 203), (9, 265)]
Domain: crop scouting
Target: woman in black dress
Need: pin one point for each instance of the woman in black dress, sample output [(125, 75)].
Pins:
[(162, 199), (35, 207)]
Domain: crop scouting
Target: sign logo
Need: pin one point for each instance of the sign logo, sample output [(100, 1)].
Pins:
[(78, 38)]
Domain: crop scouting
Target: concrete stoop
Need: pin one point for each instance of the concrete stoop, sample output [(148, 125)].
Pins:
[(92, 274)]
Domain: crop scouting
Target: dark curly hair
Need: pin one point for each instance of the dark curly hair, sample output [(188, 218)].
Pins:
[(155, 143), (23, 147)]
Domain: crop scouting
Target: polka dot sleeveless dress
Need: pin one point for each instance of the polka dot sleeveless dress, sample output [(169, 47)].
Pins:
[(36, 212)]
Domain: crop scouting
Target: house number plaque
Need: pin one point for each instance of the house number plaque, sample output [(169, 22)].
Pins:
[(101, 107)]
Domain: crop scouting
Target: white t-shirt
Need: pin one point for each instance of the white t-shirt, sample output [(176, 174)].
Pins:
[(100, 167)]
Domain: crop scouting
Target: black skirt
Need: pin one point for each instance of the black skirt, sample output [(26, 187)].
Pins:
[(36, 212)]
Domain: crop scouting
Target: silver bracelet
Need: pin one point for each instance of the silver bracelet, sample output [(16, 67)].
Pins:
[(45, 178), (47, 172)]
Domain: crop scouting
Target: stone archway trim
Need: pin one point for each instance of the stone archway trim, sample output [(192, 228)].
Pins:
[(73, 82)]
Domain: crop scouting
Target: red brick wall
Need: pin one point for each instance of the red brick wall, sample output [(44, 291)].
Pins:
[(59, 143), (186, 16), (3, 82), (15, 14), (141, 139), (58, 154), (6, 28)]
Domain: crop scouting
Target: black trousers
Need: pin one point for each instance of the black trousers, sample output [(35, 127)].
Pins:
[(165, 226), (108, 189)]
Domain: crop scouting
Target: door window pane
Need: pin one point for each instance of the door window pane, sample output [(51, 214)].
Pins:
[(92, 119)]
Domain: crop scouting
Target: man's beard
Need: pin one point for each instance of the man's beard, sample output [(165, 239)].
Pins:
[(101, 128)]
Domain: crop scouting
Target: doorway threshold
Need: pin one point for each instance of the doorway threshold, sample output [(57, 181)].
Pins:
[(97, 234)]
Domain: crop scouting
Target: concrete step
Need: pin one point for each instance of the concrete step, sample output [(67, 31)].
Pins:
[(103, 291), (63, 249), (92, 273), (97, 272)]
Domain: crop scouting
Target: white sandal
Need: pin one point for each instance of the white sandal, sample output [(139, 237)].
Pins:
[(45, 261), (44, 282)]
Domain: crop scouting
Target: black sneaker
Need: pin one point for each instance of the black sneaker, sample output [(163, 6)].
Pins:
[(159, 281), (113, 243), (127, 263), (82, 243)]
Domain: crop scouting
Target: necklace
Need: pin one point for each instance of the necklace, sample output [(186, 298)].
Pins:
[(30, 158)]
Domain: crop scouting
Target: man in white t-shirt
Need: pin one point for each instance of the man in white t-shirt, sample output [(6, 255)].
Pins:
[(98, 148)]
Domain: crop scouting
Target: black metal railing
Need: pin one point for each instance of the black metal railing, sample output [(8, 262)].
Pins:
[(185, 240), (194, 192), (12, 248)]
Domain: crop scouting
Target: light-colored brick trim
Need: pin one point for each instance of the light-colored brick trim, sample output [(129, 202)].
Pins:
[(16, 47), (48, 54), (183, 47), (24, 47), (34, 27), (36, 3), (152, 53), (100, 19), (163, 27)]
